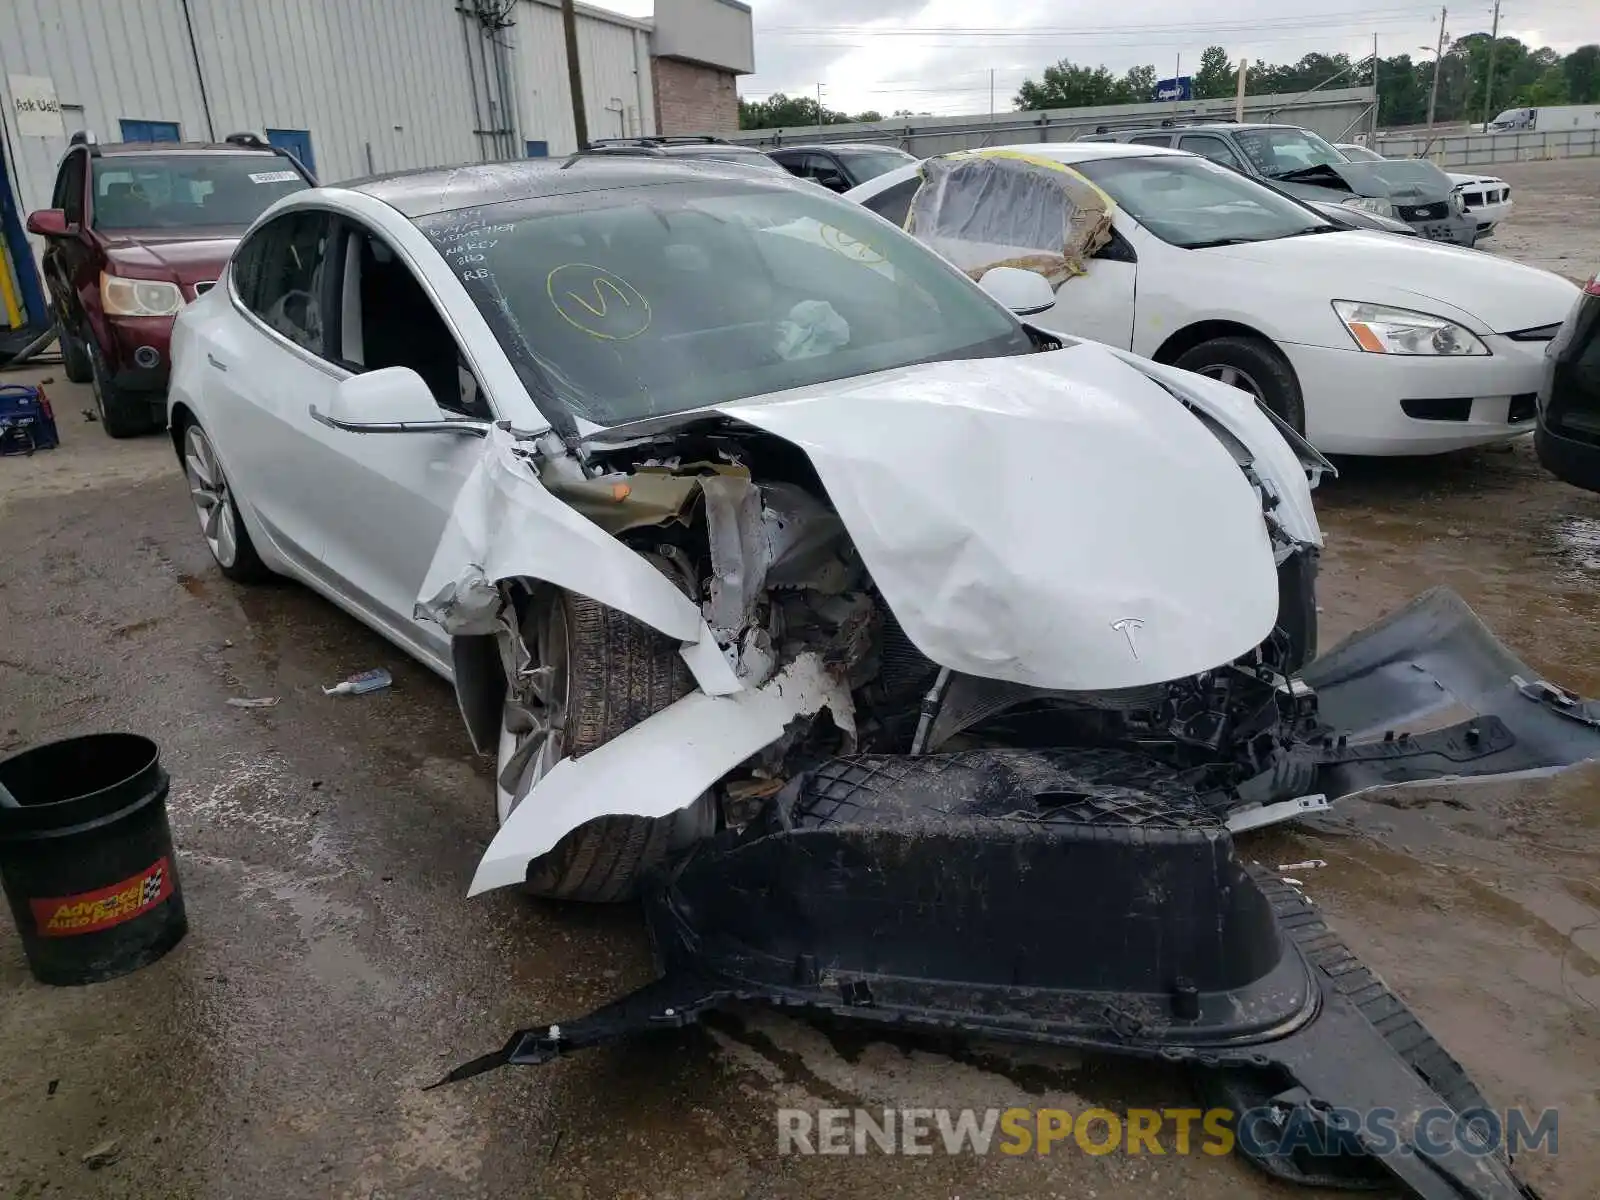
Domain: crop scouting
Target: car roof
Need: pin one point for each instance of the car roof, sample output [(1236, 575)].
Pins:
[(109, 149), (837, 146), (1071, 152), (445, 189)]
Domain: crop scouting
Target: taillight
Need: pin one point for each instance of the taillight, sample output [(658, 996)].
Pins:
[(44, 405), (1593, 286)]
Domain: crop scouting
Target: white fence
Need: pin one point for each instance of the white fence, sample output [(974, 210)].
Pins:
[(1486, 149)]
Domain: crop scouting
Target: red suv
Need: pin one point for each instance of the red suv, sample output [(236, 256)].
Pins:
[(136, 230)]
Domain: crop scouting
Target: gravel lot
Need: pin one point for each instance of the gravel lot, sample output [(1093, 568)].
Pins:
[(334, 965)]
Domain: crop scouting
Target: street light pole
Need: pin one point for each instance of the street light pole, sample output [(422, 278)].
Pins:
[(1488, 84)]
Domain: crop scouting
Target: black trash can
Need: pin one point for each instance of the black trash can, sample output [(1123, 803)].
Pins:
[(87, 858)]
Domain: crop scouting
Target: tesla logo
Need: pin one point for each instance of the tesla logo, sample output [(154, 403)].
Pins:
[(1127, 625)]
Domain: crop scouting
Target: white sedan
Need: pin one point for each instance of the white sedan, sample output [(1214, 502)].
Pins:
[(1366, 343)]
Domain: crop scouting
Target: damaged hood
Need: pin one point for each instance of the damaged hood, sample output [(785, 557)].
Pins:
[(1403, 180), (1057, 520)]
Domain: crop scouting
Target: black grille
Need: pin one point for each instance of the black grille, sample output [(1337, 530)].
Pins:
[(1438, 408), (1523, 407), (1425, 212)]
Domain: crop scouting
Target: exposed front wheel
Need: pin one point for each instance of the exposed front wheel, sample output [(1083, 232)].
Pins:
[(593, 673), (74, 355), (1253, 365)]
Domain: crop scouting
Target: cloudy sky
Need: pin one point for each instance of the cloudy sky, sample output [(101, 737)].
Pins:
[(936, 55)]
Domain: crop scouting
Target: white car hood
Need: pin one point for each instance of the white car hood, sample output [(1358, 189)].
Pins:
[(1498, 295), (1057, 520)]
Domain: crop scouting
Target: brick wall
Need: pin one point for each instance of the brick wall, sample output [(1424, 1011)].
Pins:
[(691, 98)]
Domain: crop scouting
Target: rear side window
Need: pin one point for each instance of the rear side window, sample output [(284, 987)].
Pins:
[(279, 275), (894, 204), (1153, 139), (1213, 147)]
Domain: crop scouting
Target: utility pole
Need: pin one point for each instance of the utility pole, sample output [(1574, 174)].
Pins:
[(991, 95), (1488, 84), (1238, 100), (1438, 65), (580, 122), (819, 108), (1372, 135)]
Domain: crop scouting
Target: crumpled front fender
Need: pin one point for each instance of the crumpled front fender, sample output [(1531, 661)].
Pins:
[(506, 525)]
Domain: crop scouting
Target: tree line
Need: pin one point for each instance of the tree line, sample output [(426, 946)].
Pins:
[(1523, 76)]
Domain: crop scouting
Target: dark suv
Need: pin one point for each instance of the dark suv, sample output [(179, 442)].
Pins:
[(134, 232), (1310, 168), (840, 167)]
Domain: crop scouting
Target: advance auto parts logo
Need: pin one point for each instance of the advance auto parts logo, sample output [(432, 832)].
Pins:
[(90, 912)]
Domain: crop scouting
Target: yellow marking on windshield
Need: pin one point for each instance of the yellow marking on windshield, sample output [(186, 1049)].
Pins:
[(599, 302)]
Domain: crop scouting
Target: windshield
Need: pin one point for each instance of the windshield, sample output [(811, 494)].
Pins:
[(869, 164), (643, 301), (1192, 202), (1279, 151), (157, 191)]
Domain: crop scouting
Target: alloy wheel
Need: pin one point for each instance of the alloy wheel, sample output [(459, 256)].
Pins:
[(208, 488), (533, 724), (1233, 377)]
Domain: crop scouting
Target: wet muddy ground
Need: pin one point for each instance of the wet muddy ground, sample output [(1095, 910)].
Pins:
[(334, 966)]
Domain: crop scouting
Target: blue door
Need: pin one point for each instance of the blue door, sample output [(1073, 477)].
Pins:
[(538, 149), (149, 131), (297, 142)]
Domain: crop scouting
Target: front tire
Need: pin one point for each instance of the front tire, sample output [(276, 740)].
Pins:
[(123, 414), (220, 524), (74, 355), (599, 672), (1253, 365)]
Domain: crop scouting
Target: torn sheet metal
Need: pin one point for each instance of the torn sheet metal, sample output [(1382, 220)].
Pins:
[(661, 764), (1052, 524), (1006, 208), (739, 553), (506, 525)]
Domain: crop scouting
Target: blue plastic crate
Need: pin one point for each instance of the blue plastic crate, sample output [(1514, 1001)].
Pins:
[(26, 420)]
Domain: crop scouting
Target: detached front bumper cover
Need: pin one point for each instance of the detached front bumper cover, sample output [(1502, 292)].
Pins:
[(1089, 898)]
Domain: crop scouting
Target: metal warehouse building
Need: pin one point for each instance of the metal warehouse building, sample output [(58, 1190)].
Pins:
[(352, 87)]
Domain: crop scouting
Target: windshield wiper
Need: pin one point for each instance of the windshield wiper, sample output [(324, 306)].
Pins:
[(1226, 241), (1329, 228)]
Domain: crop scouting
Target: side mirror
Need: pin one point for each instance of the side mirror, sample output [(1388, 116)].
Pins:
[(834, 183), (1023, 292), (48, 222), (391, 400)]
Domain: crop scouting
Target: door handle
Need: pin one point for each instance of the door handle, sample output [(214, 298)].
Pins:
[(216, 362)]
